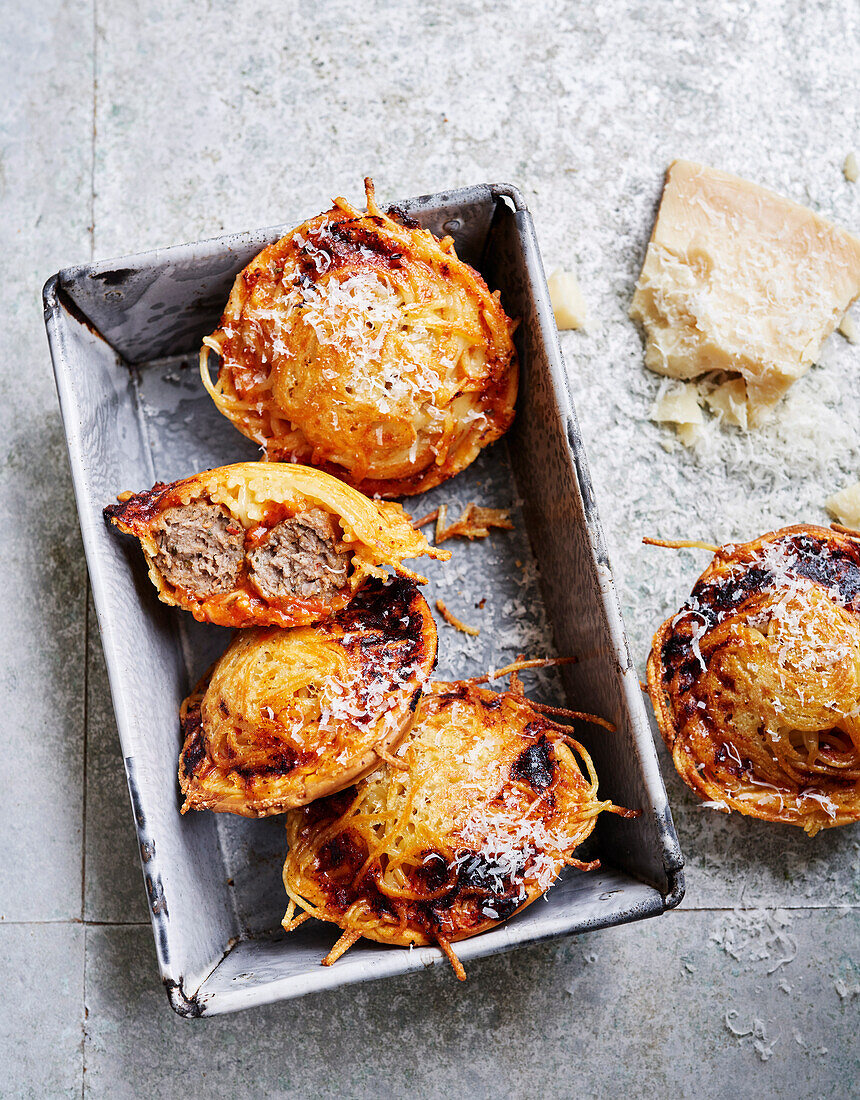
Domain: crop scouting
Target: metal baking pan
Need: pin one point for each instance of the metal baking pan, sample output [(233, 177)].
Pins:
[(124, 336)]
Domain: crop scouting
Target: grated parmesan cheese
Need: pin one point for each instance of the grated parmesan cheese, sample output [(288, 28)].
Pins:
[(756, 1031), (511, 840), (357, 315)]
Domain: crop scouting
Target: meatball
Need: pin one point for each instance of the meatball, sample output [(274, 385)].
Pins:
[(300, 558), (201, 548)]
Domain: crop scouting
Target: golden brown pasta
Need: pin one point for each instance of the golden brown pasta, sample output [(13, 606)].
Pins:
[(262, 543), (360, 343), (286, 716), (756, 681), (473, 820)]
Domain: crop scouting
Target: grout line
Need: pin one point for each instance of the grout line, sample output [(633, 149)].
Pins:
[(84, 1020), (87, 646), (142, 923), (94, 133), (92, 923), (84, 835), (747, 908), (85, 758)]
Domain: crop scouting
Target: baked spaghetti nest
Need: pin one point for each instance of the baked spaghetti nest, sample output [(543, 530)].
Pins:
[(360, 343), (265, 543), (286, 716), (484, 804), (756, 681)]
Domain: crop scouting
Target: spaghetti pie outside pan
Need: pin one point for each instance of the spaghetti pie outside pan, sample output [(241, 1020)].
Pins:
[(756, 681)]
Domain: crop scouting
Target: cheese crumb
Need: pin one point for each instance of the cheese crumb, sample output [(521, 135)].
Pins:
[(844, 506), (730, 402), (849, 329), (691, 435), (568, 304), (739, 279), (850, 169), (678, 404)]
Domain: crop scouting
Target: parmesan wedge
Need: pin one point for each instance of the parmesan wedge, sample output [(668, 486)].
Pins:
[(568, 304), (844, 506), (739, 279)]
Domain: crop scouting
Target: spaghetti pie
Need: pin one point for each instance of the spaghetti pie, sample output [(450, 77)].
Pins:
[(474, 819), (286, 716), (756, 681), (361, 344), (261, 543)]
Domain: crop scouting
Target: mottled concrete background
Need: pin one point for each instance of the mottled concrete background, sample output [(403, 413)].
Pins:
[(126, 125)]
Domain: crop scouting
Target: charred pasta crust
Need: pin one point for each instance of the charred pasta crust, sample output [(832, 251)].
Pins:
[(285, 717), (755, 682), (487, 805)]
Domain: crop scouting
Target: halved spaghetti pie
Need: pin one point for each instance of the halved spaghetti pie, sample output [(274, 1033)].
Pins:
[(474, 819), (756, 681), (360, 343), (286, 716), (261, 543)]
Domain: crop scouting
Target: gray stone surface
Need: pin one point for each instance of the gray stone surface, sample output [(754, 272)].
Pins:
[(113, 884), (44, 189), (190, 120), (42, 1014), (681, 1005)]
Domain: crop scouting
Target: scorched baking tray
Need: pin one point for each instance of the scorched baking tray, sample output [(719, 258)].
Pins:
[(124, 336)]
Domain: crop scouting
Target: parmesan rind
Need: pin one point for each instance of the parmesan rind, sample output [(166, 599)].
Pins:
[(844, 506), (739, 279), (568, 304)]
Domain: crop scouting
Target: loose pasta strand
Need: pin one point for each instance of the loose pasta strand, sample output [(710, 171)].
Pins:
[(850, 532), (546, 708), (424, 520), (518, 666), (515, 683), (292, 925), (452, 958), (343, 945), (681, 544), (391, 761)]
